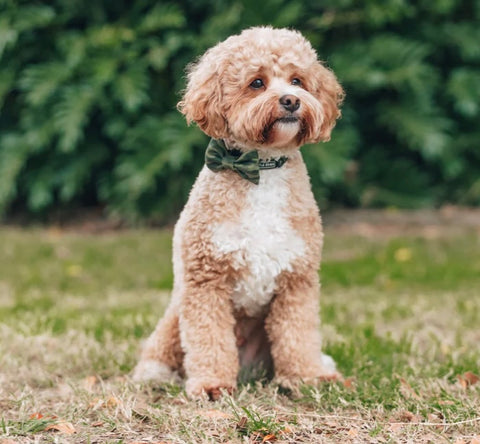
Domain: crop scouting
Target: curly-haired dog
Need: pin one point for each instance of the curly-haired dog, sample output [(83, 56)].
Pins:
[(247, 245)]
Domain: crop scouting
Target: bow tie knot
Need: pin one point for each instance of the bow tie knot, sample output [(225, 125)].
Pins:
[(247, 165)]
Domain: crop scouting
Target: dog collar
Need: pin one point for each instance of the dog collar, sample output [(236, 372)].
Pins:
[(247, 165)]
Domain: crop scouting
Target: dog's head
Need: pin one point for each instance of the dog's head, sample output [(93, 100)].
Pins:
[(265, 88)]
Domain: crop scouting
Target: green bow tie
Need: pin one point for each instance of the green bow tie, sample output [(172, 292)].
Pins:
[(247, 165)]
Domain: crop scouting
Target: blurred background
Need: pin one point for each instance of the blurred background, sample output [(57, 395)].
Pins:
[(88, 93)]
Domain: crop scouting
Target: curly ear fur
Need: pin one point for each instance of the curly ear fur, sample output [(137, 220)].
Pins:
[(202, 99), (330, 94)]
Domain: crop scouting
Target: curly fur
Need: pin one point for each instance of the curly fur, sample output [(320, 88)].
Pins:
[(246, 289)]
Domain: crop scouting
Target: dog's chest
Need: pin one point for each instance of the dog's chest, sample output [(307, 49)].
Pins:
[(262, 242)]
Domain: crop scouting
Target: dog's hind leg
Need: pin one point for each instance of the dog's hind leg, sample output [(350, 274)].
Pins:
[(162, 355)]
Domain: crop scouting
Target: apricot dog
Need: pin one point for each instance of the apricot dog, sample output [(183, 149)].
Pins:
[(248, 243)]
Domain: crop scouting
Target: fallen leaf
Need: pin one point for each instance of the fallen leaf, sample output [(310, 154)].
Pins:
[(353, 433), (462, 381), (62, 427), (403, 255), (286, 430), (98, 424), (447, 402), (89, 382), (242, 423), (396, 427), (113, 402), (406, 416), (38, 416), (467, 379), (471, 378), (98, 403), (268, 438), (349, 383)]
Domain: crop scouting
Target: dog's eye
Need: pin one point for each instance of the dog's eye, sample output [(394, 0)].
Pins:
[(296, 82), (257, 83)]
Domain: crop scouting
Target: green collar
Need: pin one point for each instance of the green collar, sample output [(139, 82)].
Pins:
[(247, 165)]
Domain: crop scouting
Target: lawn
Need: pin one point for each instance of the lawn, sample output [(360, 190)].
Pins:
[(400, 314)]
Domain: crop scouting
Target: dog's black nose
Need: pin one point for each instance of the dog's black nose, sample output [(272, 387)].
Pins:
[(290, 103)]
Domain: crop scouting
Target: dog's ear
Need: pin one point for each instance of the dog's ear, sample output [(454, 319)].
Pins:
[(202, 99), (330, 94)]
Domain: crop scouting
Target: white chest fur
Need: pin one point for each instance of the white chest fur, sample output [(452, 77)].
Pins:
[(262, 242)]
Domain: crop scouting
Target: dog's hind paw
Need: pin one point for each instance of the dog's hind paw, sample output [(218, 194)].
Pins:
[(329, 364), (208, 391), (155, 371)]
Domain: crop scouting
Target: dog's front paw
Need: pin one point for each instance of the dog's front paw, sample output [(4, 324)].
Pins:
[(295, 382), (155, 371), (325, 372), (207, 389)]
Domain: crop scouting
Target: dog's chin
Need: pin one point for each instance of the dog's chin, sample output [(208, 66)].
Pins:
[(283, 132)]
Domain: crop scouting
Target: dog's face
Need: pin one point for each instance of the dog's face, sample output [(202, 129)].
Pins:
[(263, 88)]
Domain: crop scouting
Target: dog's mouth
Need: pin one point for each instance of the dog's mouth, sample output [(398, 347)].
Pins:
[(287, 119)]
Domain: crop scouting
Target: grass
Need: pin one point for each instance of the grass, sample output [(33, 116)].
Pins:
[(400, 316)]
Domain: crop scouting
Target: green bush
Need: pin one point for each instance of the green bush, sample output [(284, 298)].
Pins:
[(88, 94)]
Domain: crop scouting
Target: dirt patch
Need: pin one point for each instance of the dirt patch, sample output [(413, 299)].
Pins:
[(430, 223), (449, 220)]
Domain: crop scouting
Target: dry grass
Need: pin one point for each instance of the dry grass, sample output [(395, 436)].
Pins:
[(403, 330)]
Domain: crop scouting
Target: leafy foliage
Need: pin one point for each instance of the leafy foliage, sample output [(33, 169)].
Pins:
[(87, 100)]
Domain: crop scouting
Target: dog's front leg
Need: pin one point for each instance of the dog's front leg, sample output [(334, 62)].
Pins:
[(207, 335), (293, 329)]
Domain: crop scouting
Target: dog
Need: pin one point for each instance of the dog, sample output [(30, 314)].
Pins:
[(247, 246)]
